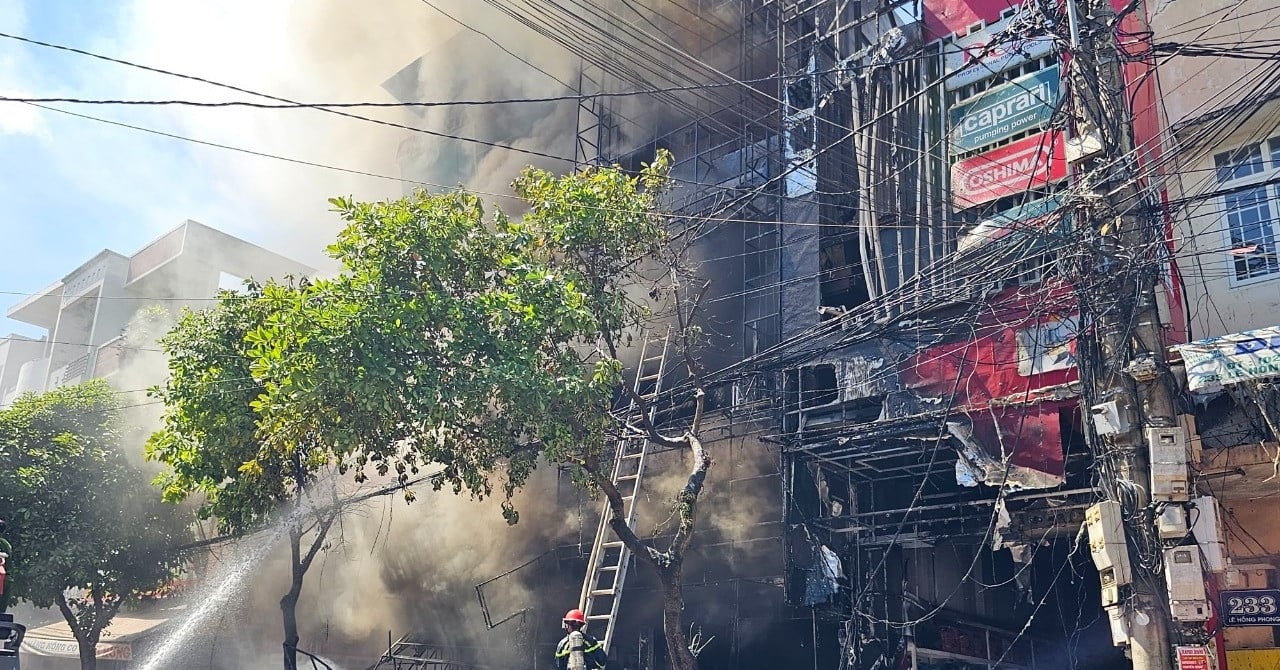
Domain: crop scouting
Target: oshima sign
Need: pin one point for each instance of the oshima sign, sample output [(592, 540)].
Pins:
[(1009, 170)]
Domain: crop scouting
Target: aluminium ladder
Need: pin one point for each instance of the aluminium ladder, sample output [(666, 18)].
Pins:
[(607, 566)]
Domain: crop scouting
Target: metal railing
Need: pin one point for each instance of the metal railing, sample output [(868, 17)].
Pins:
[(317, 663)]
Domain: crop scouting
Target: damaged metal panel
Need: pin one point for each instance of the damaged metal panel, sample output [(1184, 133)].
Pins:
[(799, 257), (897, 219), (1001, 388), (824, 576), (901, 404), (866, 377), (1017, 448), (1025, 439), (988, 362), (867, 369)]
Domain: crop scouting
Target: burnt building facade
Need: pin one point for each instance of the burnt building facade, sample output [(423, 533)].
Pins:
[(884, 198), (884, 194)]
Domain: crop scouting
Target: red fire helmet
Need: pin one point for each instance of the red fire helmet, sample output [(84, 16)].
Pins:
[(575, 616)]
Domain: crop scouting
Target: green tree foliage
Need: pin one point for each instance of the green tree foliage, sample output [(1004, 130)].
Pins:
[(88, 534), (452, 336), (214, 448)]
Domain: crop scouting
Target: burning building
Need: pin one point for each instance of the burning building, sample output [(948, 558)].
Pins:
[(887, 198)]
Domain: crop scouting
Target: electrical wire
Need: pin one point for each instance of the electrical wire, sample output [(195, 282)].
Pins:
[(1100, 308)]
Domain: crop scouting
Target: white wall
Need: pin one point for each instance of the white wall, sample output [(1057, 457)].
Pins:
[(1196, 92)]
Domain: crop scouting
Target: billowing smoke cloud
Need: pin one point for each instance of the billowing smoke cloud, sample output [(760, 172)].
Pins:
[(329, 50), (394, 569)]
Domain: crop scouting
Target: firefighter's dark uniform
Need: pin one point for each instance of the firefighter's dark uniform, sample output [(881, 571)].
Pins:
[(593, 651)]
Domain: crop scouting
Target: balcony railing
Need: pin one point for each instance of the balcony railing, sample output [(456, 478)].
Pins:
[(71, 373)]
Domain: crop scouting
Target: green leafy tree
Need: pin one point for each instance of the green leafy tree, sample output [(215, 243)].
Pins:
[(452, 336), (214, 448), (88, 534)]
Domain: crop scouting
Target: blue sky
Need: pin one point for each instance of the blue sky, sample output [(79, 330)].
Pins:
[(72, 187), (58, 208)]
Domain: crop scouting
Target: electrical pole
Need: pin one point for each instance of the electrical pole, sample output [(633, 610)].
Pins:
[(1131, 369)]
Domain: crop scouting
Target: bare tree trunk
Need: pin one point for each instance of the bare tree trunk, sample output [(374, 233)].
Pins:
[(668, 564), (86, 641), (88, 654), (289, 603), (681, 658), (299, 563)]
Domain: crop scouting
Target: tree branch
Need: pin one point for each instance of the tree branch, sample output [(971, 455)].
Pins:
[(700, 404), (73, 622), (95, 631), (687, 499), (692, 364), (322, 530)]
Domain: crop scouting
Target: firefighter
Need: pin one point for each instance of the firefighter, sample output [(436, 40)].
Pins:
[(5, 550), (578, 650)]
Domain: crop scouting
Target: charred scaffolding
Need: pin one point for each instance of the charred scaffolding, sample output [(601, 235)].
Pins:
[(935, 457)]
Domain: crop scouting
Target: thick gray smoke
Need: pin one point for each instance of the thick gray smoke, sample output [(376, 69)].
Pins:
[(342, 51), (393, 568)]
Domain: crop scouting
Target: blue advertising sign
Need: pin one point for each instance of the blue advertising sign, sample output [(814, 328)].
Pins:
[(1026, 103), (1230, 359), (990, 51), (1025, 217), (1251, 607)]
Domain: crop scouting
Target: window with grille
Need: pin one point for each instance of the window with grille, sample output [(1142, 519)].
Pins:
[(1250, 208)]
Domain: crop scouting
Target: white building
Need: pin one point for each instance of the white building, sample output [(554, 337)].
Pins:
[(1224, 122), (1224, 140), (84, 314)]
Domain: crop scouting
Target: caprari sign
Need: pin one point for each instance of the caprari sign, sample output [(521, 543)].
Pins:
[(1023, 104)]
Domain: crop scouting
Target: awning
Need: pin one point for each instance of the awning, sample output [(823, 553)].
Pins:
[(1229, 359), (116, 643)]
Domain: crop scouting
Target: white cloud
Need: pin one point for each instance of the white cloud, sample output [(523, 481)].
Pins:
[(16, 118), (326, 50)]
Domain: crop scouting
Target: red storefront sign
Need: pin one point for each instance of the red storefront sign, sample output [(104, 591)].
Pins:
[(1009, 170), (1194, 658), (990, 371), (943, 18)]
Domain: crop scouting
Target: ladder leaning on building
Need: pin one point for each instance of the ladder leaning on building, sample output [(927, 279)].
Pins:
[(607, 566)]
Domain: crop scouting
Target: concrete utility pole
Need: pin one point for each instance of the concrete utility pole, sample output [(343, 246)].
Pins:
[(1132, 371)]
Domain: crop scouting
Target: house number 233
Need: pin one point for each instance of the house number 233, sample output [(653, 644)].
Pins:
[(1252, 605)]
